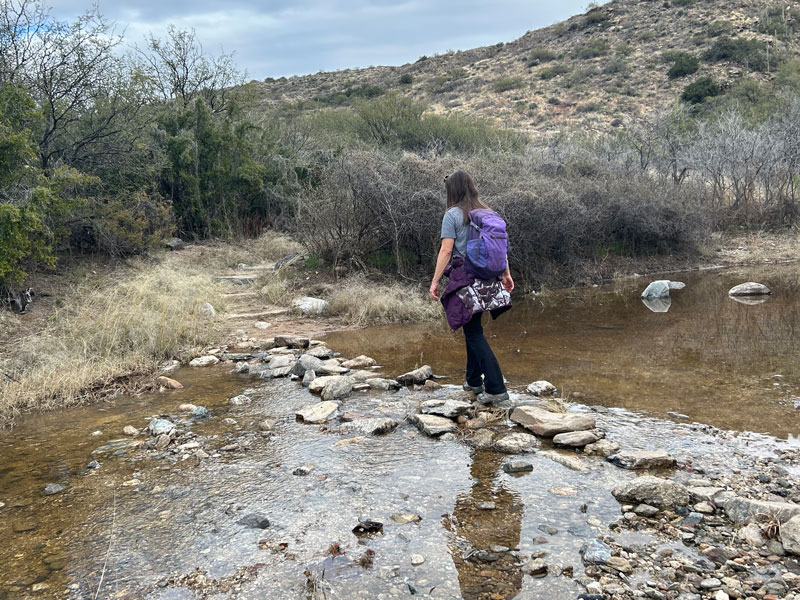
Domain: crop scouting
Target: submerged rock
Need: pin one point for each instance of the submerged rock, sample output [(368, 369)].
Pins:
[(751, 288), (517, 443), (417, 376), (602, 448), (661, 288), (517, 466), (655, 491), (547, 424), (595, 552), (317, 413), (433, 425), (201, 412), (239, 400), (446, 408), (53, 488), (254, 521), (642, 459), (370, 426)]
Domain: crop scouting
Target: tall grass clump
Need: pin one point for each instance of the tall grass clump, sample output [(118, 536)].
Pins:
[(364, 302), (106, 332)]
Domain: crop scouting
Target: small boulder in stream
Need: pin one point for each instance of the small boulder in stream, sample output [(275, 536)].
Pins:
[(203, 361), (751, 288), (661, 288), (449, 408), (370, 426), (54, 488), (517, 443), (517, 466), (655, 491), (575, 439), (434, 425), (417, 376), (317, 413), (158, 427), (306, 363), (642, 459), (547, 424), (337, 388)]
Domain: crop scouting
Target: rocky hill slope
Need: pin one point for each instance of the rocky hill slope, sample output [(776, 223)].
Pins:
[(624, 58)]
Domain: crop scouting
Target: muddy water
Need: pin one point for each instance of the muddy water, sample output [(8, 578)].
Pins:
[(718, 361), (153, 524)]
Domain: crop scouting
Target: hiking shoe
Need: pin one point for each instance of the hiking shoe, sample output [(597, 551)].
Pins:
[(489, 399), (475, 389)]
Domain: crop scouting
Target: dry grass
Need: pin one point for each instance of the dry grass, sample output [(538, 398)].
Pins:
[(363, 302), (107, 330), (276, 289), (270, 246)]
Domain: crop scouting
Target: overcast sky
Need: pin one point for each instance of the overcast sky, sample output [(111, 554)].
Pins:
[(274, 38)]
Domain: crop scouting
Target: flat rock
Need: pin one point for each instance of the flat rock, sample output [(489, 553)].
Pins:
[(359, 362), (370, 426), (337, 388), (318, 383), (575, 439), (203, 361), (280, 361), (254, 521), (571, 462), (320, 352), (517, 466), (434, 425), (482, 438), (378, 383), (317, 413), (541, 388), (547, 424), (655, 491), (291, 341), (517, 443), (445, 408), (417, 376), (790, 536), (305, 363), (158, 427), (741, 510), (602, 448), (331, 367), (751, 288), (642, 459)]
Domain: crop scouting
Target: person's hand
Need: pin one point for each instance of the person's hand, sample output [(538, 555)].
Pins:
[(434, 291), (508, 283)]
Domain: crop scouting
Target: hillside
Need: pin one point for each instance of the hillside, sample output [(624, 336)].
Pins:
[(611, 62)]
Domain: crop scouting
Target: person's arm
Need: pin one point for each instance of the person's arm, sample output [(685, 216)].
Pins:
[(445, 252), (508, 283)]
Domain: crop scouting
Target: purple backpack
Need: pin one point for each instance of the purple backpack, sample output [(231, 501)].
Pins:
[(487, 245)]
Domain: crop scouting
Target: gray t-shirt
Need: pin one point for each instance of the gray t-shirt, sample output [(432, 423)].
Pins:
[(453, 227)]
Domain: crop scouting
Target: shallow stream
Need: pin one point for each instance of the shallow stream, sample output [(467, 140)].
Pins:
[(166, 525)]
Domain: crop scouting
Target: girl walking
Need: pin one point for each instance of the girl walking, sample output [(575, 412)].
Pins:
[(467, 297)]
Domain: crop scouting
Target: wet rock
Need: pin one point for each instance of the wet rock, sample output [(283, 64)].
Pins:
[(482, 438), (201, 412), (203, 361), (305, 363), (91, 465), (158, 427), (291, 341), (448, 437), (445, 408), (790, 536), (359, 362), (658, 492), (23, 526), (382, 384), (331, 367), (751, 288), (337, 388), (242, 367), (368, 528), (741, 510), (53, 488), (130, 430), (595, 552), (602, 448), (571, 462), (661, 288), (318, 383), (566, 491), (266, 425), (254, 521), (186, 407), (517, 443), (417, 559), (310, 306), (417, 376), (433, 425), (575, 439), (303, 470), (318, 413), (114, 447), (642, 459), (169, 383), (535, 568), (280, 361), (547, 424), (645, 510), (517, 466), (541, 388), (404, 518), (239, 400), (370, 426), (308, 377)]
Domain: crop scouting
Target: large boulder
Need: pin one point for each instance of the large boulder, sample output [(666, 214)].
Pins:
[(642, 459), (417, 376), (790, 536), (655, 491), (337, 388), (317, 413), (449, 408), (661, 288), (751, 288), (433, 425), (741, 510), (547, 424), (517, 443)]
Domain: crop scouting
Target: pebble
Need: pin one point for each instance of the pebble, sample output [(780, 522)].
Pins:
[(303, 470), (54, 488), (417, 559), (517, 466), (130, 430)]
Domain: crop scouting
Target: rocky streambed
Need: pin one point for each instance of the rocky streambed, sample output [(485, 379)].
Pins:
[(303, 474)]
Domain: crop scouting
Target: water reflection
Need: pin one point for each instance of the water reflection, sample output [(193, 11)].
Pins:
[(658, 305), (487, 524)]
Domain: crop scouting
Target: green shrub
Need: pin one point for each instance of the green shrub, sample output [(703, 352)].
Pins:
[(615, 66), (539, 56), (593, 48), (697, 91), (719, 27), (747, 52), (683, 3), (773, 21), (406, 79), (595, 17), (553, 71), (623, 49), (505, 84), (685, 64)]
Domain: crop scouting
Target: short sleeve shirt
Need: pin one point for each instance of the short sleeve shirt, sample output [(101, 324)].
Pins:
[(453, 227)]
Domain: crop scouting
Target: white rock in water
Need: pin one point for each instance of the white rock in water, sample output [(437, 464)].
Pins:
[(311, 306), (661, 288), (541, 388), (203, 361), (547, 424), (239, 400), (433, 425), (207, 311), (751, 288), (318, 413)]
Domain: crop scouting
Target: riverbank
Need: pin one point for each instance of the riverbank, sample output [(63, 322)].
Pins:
[(105, 329)]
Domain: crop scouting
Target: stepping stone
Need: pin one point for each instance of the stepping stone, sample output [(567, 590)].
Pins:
[(433, 425), (547, 424), (317, 413)]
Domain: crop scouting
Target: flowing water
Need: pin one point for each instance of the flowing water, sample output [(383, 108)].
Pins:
[(151, 524)]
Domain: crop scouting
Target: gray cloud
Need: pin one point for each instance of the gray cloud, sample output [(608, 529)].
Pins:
[(274, 38)]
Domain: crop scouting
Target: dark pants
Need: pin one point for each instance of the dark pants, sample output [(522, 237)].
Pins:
[(481, 359)]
